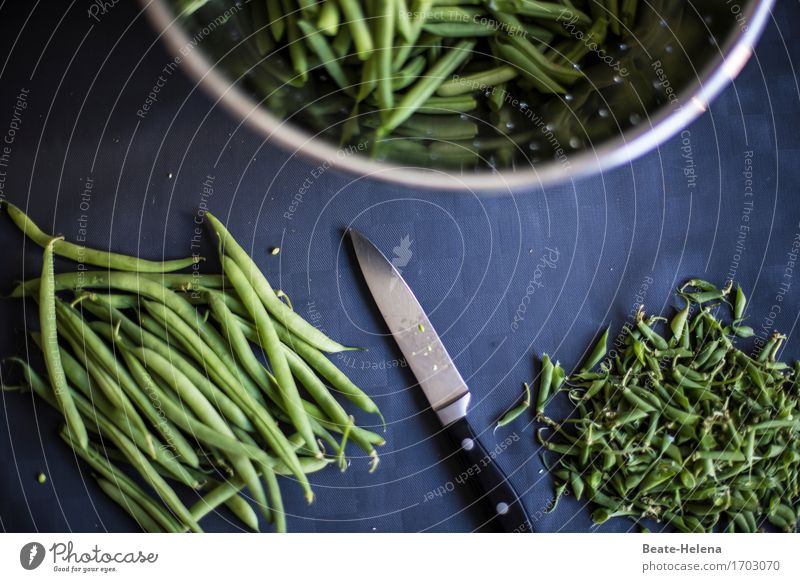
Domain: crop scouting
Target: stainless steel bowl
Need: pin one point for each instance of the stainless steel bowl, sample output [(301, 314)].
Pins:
[(701, 44)]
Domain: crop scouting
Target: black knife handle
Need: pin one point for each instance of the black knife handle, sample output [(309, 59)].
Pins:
[(505, 506)]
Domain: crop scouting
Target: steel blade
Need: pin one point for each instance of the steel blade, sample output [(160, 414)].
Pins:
[(427, 357)]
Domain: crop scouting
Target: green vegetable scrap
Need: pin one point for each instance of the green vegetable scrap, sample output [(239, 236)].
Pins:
[(682, 426)]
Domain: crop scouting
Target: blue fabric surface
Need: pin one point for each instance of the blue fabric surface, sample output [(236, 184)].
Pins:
[(503, 278)]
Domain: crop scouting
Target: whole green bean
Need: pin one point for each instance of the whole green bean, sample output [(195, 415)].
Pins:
[(89, 256), (517, 411), (127, 282), (52, 358)]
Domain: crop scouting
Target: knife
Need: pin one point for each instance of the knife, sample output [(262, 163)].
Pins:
[(439, 379)]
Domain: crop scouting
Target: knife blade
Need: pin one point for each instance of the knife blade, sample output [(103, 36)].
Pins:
[(438, 378)]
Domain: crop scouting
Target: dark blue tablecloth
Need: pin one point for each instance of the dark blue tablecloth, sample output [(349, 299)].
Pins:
[(503, 278)]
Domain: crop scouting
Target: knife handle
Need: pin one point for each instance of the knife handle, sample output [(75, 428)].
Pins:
[(494, 487)]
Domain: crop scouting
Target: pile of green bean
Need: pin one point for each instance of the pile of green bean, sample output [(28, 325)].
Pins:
[(681, 426), (443, 72), (161, 371)]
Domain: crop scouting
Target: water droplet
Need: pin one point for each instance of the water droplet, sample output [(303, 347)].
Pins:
[(623, 46), (509, 125), (534, 146), (603, 112), (669, 48), (617, 79), (575, 143), (662, 23), (549, 127), (635, 118), (569, 97)]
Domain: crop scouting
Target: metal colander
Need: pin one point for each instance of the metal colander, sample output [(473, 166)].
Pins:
[(643, 91)]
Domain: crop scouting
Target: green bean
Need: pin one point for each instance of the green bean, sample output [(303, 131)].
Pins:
[(384, 41), (477, 81), (325, 368), (678, 323), (195, 400), (358, 27), (426, 86), (239, 506), (85, 342), (208, 348), (149, 402), (739, 304), (275, 437), (224, 404), (219, 370), (316, 41), (328, 20), (297, 50), (658, 342), (124, 484), (273, 304), (421, 10), (327, 403), (273, 489), (450, 128), (544, 10), (559, 73), (529, 68), (85, 376), (545, 384), (87, 256), (448, 105), (403, 21), (127, 282), (407, 75), (517, 411), (152, 476), (136, 511), (598, 353), (628, 13), (52, 359), (190, 424), (268, 339), (330, 372), (459, 29), (226, 493), (128, 448)]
